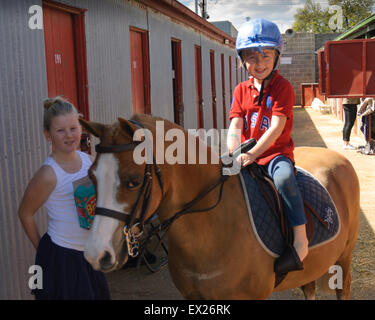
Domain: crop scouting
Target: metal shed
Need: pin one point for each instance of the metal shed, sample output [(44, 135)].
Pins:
[(103, 88)]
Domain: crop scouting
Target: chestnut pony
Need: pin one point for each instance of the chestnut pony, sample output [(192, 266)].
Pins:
[(212, 253)]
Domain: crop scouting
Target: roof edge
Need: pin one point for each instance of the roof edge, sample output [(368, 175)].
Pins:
[(353, 29), (178, 11)]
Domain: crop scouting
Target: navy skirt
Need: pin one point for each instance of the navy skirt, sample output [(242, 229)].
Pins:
[(67, 275)]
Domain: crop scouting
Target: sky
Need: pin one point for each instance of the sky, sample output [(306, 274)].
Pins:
[(279, 11)]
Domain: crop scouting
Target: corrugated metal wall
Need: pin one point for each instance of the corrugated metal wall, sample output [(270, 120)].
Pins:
[(22, 146), (23, 86)]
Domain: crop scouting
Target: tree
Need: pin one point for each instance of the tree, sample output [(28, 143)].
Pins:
[(338, 16), (311, 18)]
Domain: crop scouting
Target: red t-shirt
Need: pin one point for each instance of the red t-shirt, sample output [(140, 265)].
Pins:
[(278, 100)]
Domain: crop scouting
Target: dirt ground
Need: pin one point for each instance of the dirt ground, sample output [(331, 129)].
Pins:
[(311, 128)]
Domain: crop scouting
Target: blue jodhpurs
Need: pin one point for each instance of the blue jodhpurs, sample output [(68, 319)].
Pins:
[(281, 169)]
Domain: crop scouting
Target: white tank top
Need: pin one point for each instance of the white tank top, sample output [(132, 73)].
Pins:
[(63, 222)]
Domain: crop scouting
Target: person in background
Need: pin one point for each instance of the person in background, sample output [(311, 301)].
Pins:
[(66, 273), (365, 111), (262, 108), (350, 113)]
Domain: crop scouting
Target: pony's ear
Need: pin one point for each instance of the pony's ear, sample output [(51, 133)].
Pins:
[(93, 127), (127, 126)]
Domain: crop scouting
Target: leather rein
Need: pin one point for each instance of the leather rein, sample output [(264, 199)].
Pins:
[(132, 222)]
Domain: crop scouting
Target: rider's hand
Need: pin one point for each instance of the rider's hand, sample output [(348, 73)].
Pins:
[(246, 158)]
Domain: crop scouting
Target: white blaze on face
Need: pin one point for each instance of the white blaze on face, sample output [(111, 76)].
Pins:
[(100, 238)]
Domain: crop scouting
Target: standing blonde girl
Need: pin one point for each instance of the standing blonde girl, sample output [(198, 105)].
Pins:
[(66, 274)]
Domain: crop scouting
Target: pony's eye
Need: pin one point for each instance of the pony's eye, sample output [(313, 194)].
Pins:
[(131, 184), (131, 181)]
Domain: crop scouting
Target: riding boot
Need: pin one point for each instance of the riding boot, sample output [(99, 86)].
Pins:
[(288, 261)]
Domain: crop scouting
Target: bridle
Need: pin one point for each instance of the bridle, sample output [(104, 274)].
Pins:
[(132, 238)]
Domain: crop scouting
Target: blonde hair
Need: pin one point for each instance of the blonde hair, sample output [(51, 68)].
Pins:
[(54, 107)]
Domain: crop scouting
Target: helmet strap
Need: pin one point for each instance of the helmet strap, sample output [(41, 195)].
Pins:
[(269, 77)]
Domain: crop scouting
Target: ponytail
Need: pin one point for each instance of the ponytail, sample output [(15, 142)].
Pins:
[(54, 107)]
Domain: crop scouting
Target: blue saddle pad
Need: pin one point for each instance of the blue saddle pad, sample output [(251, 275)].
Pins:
[(265, 224)]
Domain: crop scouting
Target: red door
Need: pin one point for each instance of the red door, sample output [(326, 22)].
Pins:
[(65, 50), (139, 71), (322, 72), (177, 82), (213, 88), (230, 78), (60, 54), (223, 90), (198, 85)]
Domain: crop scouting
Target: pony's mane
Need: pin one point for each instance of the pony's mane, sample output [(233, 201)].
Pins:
[(149, 121)]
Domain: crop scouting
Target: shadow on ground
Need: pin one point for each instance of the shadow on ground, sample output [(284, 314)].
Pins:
[(304, 131)]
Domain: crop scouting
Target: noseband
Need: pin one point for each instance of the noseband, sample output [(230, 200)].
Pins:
[(131, 221)]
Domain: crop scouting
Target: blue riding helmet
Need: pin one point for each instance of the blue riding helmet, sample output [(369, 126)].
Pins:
[(259, 34)]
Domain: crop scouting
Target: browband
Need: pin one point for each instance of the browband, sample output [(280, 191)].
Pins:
[(116, 148), (119, 147)]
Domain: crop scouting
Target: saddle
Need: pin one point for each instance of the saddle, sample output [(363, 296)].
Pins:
[(269, 220), (273, 199)]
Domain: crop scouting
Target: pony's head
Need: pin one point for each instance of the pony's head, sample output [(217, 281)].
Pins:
[(124, 196)]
